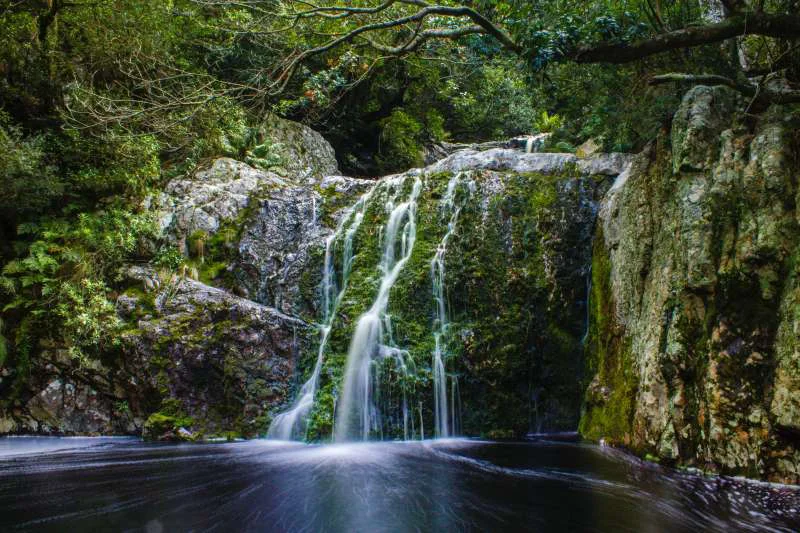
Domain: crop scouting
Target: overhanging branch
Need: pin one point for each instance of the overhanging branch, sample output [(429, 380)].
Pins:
[(764, 24)]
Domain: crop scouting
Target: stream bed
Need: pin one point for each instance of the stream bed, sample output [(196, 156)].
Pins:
[(106, 484)]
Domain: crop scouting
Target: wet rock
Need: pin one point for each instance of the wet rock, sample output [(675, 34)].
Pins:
[(225, 361), (282, 242), (126, 305)]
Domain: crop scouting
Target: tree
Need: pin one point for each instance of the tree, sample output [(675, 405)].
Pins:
[(533, 31)]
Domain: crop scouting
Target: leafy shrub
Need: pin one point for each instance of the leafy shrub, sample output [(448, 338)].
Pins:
[(400, 144), (28, 180), (547, 123), (169, 257)]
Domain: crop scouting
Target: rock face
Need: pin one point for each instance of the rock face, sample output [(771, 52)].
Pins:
[(304, 154), (71, 401), (515, 283), (693, 352), (217, 362), (211, 197), (282, 241)]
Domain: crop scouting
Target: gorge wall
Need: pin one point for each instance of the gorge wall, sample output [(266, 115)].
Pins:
[(693, 350)]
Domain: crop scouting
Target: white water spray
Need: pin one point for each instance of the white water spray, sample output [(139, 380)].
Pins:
[(293, 423), (357, 413)]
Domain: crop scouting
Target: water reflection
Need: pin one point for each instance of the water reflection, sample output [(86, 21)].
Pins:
[(447, 485)]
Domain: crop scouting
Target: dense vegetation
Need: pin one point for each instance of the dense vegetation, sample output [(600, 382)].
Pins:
[(101, 102)]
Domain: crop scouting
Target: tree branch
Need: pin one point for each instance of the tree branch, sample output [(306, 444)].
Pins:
[(420, 38), (765, 24), (485, 25)]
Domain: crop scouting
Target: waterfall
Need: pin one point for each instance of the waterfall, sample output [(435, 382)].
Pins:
[(529, 145), (293, 423), (535, 143), (357, 413), (443, 424)]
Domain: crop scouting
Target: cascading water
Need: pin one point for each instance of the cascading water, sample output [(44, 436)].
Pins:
[(357, 413), (444, 415), (293, 423)]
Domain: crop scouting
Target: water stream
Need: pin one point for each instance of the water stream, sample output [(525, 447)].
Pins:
[(445, 417), (293, 423), (357, 415)]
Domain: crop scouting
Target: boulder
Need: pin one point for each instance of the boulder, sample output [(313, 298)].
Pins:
[(220, 361), (305, 156)]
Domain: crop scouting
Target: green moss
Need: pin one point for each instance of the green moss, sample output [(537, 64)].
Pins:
[(514, 348), (608, 412), (168, 421)]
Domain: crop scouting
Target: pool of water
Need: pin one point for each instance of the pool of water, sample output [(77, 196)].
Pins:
[(447, 485)]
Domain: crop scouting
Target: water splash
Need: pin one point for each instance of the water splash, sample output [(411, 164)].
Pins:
[(294, 422), (357, 412)]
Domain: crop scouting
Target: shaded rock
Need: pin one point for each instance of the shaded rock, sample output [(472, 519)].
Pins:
[(70, 401), (223, 361), (282, 242)]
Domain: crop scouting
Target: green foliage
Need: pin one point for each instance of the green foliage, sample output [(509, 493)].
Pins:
[(116, 162), (547, 123), (400, 141), (3, 345), (28, 179), (167, 421), (89, 323), (58, 292), (493, 102), (169, 257)]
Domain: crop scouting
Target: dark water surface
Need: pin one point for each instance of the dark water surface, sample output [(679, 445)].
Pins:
[(452, 485)]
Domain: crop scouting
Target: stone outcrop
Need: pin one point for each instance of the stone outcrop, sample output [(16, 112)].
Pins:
[(693, 348), (71, 400), (304, 155), (222, 361), (280, 248), (209, 198)]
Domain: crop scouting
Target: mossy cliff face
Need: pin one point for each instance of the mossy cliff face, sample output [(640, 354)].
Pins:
[(515, 289), (693, 351)]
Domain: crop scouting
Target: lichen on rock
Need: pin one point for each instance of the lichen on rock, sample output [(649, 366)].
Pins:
[(701, 237)]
